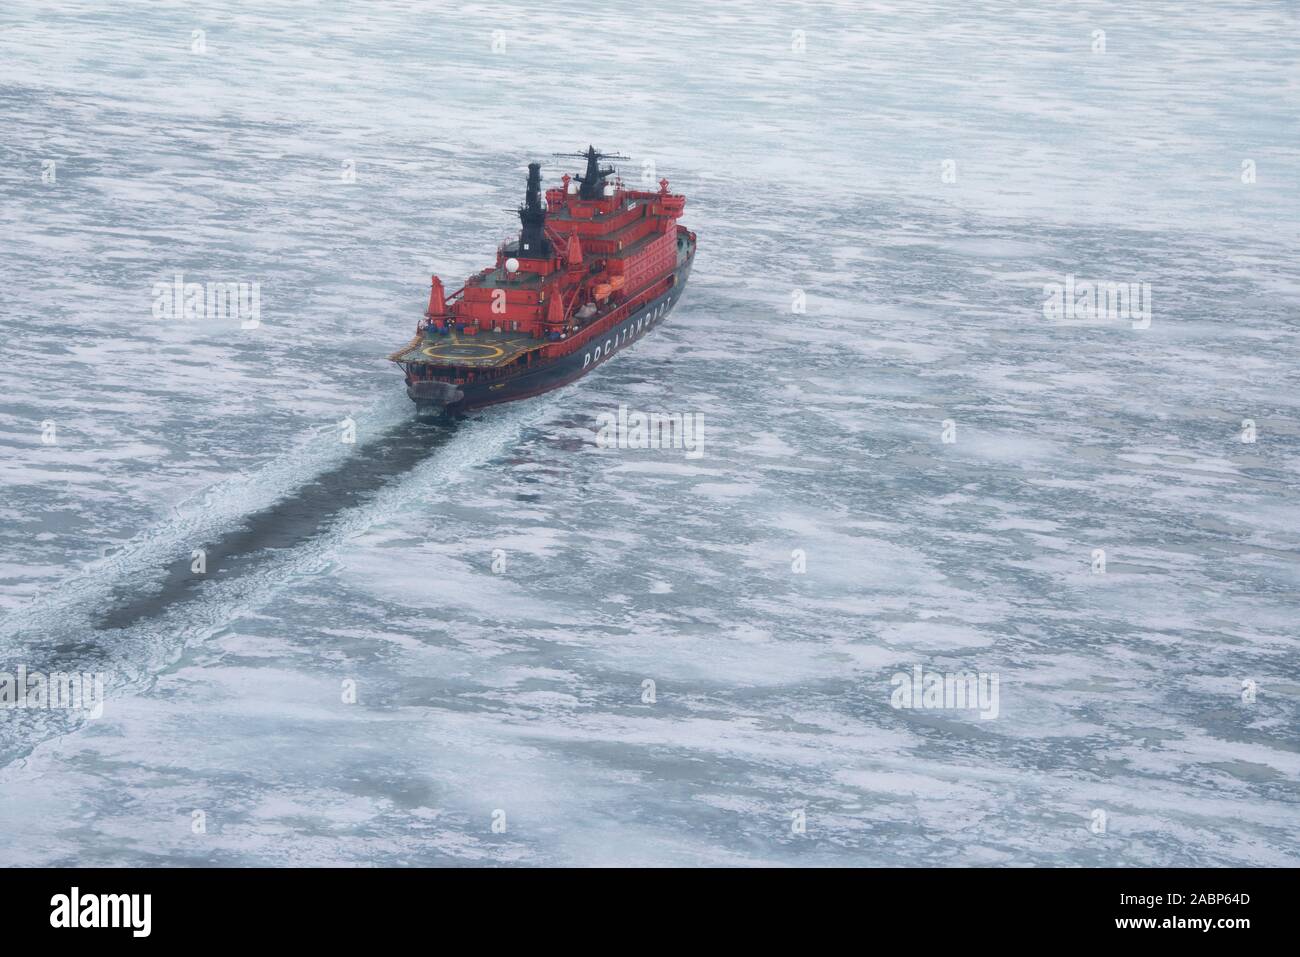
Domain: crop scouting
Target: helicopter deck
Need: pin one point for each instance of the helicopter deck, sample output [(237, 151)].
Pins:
[(486, 350)]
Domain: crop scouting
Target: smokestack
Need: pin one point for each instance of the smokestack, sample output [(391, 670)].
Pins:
[(532, 238)]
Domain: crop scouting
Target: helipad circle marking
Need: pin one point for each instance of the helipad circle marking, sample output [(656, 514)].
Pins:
[(463, 350)]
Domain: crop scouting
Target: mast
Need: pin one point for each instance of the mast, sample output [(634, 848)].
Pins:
[(593, 180)]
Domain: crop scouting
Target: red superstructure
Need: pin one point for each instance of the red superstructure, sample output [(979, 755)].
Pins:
[(597, 259)]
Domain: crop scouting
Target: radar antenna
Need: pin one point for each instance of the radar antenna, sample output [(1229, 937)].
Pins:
[(593, 180)]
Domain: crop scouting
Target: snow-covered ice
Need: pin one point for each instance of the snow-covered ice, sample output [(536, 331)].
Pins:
[(914, 174)]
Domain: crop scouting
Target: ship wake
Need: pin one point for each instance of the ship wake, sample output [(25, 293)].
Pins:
[(132, 614)]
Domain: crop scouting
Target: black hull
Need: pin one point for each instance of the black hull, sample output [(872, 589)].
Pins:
[(570, 368)]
